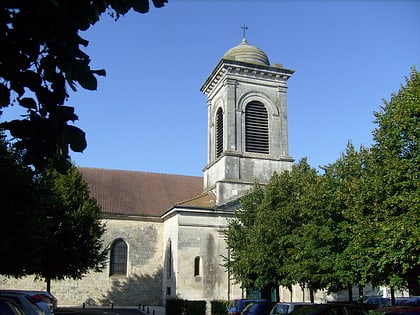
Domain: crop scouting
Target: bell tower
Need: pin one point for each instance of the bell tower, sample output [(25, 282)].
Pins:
[(247, 122)]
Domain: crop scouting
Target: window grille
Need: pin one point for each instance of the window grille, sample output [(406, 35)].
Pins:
[(219, 132), (118, 263), (256, 128)]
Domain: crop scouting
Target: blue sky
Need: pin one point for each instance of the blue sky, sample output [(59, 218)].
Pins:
[(148, 113)]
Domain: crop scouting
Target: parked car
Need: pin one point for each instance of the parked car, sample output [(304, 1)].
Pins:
[(260, 307), (287, 307), (9, 307), (25, 302), (376, 301), (399, 301), (399, 310), (237, 306), (413, 301), (45, 300), (331, 309)]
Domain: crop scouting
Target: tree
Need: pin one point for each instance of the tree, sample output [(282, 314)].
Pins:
[(314, 243), (356, 224), (41, 57), (239, 235), (19, 209), (51, 227), (396, 154), (281, 212), (264, 249), (71, 227), (356, 230)]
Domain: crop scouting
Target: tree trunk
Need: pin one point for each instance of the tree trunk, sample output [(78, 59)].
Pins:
[(291, 293), (277, 293), (350, 292), (302, 286), (48, 280), (392, 296), (361, 295), (311, 294), (266, 293)]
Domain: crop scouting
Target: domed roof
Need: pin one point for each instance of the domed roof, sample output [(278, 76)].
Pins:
[(247, 53)]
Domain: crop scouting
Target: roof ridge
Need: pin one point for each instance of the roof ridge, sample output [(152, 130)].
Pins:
[(134, 171)]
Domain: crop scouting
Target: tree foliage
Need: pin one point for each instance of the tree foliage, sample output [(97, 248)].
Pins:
[(239, 238), (41, 57), (396, 154), (71, 227), (357, 223), (51, 227), (19, 207)]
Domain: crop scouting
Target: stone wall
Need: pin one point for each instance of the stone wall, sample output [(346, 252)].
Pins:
[(201, 236), (142, 285)]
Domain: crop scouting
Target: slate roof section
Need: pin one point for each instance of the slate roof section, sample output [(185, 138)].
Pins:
[(139, 193)]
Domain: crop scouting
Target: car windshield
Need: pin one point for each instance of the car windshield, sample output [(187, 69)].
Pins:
[(280, 309)]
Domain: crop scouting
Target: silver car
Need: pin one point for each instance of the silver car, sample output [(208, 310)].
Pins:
[(45, 300), (25, 302)]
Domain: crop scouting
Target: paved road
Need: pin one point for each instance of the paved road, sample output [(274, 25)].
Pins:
[(106, 311)]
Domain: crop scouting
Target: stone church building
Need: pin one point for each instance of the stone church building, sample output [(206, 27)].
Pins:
[(165, 232)]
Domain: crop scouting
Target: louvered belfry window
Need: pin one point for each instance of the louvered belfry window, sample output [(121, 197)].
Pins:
[(219, 132), (256, 128)]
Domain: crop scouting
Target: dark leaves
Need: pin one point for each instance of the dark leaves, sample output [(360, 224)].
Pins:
[(4, 96), (40, 58), (76, 138), (28, 103)]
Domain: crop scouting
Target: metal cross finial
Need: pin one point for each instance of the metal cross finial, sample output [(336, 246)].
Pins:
[(244, 27)]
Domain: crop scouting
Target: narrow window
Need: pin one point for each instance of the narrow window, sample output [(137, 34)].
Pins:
[(196, 266), (169, 260), (219, 132), (118, 261), (256, 128)]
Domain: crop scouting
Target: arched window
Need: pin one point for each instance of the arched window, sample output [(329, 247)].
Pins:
[(219, 132), (197, 266), (118, 259), (256, 128)]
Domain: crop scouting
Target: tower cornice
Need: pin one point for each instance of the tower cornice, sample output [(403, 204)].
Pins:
[(273, 74)]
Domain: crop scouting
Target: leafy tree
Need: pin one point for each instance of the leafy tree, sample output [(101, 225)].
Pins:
[(315, 241), (50, 225), (354, 263), (19, 208), (356, 224), (71, 227), (264, 250), (239, 236), (40, 58), (281, 212), (396, 154)]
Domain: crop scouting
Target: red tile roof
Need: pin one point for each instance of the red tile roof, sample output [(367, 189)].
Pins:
[(139, 193), (205, 200)]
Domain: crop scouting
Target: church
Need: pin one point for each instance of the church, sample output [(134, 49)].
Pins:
[(165, 233)]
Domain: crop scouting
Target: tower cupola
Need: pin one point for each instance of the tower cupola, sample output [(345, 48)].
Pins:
[(247, 53)]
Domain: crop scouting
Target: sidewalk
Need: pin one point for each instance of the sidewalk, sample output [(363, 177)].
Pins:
[(153, 310)]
